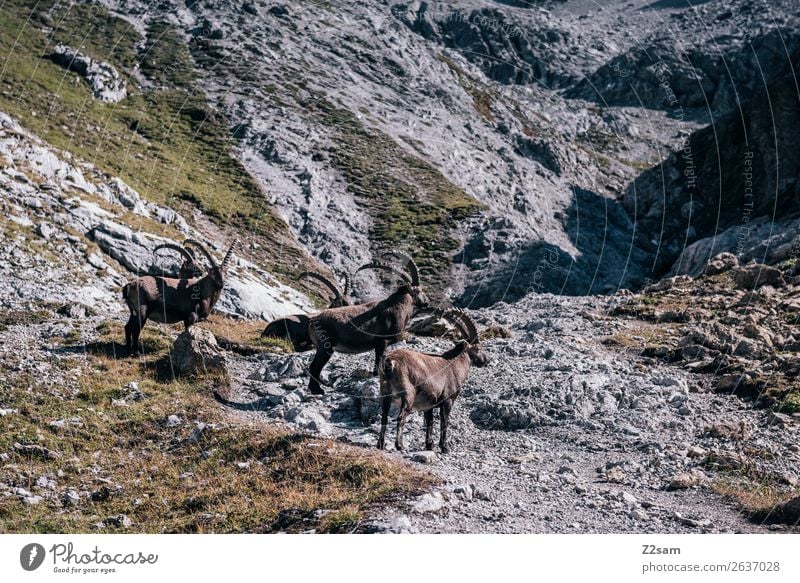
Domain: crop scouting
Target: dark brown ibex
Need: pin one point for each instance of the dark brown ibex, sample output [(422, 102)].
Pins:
[(424, 381), (364, 327), (295, 328), (169, 300)]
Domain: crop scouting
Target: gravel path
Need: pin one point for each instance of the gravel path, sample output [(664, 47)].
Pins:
[(559, 434)]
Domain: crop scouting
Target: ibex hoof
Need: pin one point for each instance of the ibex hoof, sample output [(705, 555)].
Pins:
[(445, 449), (317, 392)]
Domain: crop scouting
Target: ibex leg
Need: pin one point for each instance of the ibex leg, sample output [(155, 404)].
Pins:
[(380, 350), (401, 423), (321, 358), (429, 429), (386, 404), (444, 413)]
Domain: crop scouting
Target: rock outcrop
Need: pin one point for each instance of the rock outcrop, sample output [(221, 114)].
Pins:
[(106, 83), (196, 352)]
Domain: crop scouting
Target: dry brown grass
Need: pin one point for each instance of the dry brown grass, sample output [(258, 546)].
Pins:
[(761, 501), (641, 335), (759, 492), (244, 335), (238, 477)]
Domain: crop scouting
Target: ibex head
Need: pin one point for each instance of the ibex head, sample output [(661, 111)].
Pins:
[(217, 272), (469, 336)]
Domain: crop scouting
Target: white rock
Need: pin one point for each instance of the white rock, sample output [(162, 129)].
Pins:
[(424, 457), (428, 503), (197, 433), (71, 498), (638, 514)]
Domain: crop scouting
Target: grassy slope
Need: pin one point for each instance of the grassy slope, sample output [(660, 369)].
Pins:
[(138, 466), (166, 143)]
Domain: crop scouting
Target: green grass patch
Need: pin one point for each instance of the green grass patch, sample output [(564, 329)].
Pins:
[(790, 403), (482, 98), (244, 336), (166, 58), (89, 28), (22, 317)]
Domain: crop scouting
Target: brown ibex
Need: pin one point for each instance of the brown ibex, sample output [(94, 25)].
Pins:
[(423, 381), (169, 300), (364, 327), (295, 328)]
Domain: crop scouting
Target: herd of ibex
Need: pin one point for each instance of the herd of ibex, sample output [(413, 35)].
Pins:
[(419, 381)]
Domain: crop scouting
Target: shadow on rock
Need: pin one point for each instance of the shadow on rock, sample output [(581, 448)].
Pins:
[(607, 258)]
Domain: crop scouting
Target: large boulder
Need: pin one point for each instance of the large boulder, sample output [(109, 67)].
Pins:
[(196, 352), (133, 249), (755, 275), (721, 263), (763, 240)]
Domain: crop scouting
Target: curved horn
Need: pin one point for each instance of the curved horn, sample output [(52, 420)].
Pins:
[(452, 317), (470, 325), (182, 250), (327, 282), (346, 290), (229, 253), (429, 310), (411, 266), (202, 249), (374, 265)]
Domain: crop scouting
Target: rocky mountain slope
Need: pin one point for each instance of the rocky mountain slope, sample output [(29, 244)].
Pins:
[(494, 141), (72, 231), (464, 132), (361, 105)]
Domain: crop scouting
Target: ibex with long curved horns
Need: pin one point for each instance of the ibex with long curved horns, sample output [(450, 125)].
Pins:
[(170, 300), (364, 327)]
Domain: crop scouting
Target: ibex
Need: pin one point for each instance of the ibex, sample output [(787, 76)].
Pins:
[(425, 381), (189, 268), (364, 327), (170, 300), (295, 328)]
